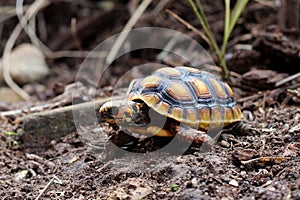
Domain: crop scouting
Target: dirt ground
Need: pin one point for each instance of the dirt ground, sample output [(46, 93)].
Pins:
[(258, 163)]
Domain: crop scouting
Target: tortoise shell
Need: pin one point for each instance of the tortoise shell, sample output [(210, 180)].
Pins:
[(188, 95)]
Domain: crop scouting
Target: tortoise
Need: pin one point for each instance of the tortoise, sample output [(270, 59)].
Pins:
[(181, 100)]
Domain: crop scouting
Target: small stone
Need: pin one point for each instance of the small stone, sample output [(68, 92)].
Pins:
[(194, 182), (26, 64), (20, 175), (225, 144), (269, 182), (234, 183), (244, 154), (272, 189), (243, 173)]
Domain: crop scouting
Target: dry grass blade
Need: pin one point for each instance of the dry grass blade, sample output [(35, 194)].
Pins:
[(288, 79), (35, 7), (74, 33), (29, 24), (54, 179), (7, 12), (75, 54), (188, 25), (123, 35)]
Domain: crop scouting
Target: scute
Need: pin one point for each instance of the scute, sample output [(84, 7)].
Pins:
[(189, 69), (151, 99), (151, 81), (179, 91), (204, 118), (229, 90), (169, 71), (177, 113), (163, 107), (200, 88), (218, 89), (188, 95)]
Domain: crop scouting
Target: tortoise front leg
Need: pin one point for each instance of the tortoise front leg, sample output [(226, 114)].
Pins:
[(190, 133), (160, 132), (151, 130)]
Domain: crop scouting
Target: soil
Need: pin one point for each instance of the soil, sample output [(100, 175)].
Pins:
[(258, 162)]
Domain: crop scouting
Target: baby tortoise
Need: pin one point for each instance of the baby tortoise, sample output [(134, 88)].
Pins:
[(184, 100)]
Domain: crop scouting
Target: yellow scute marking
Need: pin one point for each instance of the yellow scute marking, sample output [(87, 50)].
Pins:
[(133, 96), (191, 118), (179, 91), (237, 113), (218, 88), (190, 69), (150, 99), (240, 113), (216, 114), (163, 108), (228, 115), (177, 113), (204, 118), (169, 70), (201, 89), (217, 120), (191, 115), (157, 131), (151, 81), (229, 90)]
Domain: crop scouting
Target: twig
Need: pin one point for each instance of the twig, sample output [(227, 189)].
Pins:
[(75, 54), (219, 69), (30, 110), (188, 26), (123, 35), (262, 161), (74, 33), (252, 97), (104, 166), (283, 81), (10, 43), (160, 6), (272, 4), (8, 12), (256, 96), (171, 43), (41, 108), (29, 26), (57, 180)]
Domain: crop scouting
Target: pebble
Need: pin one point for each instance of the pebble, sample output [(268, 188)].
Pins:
[(194, 182), (234, 183), (27, 64), (243, 174), (225, 144), (20, 175)]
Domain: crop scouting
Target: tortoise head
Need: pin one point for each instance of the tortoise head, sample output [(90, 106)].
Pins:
[(123, 112)]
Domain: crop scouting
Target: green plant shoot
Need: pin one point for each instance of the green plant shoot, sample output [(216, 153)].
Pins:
[(231, 19)]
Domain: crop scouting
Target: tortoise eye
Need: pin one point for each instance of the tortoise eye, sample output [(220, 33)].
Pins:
[(126, 114)]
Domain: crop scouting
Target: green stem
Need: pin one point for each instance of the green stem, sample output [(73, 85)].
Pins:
[(226, 27), (230, 21), (202, 19)]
